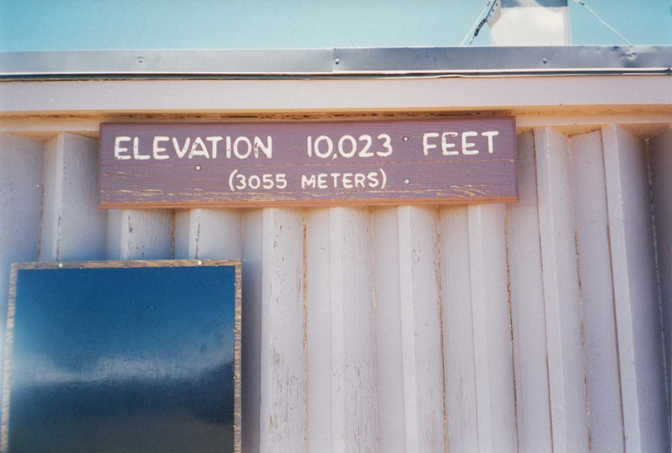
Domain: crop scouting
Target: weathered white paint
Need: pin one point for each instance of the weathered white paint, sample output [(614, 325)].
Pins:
[(319, 331), (636, 300), (491, 329), (342, 409), (409, 337), (389, 340), (73, 228), (644, 124), (421, 329), (353, 342), (561, 293), (21, 166), (476, 321), (139, 235), (283, 359), (208, 234), (597, 297), (527, 308), (660, 149), (459, 365), (385, 94), (366, 292)]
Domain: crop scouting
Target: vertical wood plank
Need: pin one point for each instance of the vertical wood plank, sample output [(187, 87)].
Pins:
[(208, 234), (253, 228), (421, 329), (319, 331), (660, 149), (283, 361), (527, 308), (390, 360), (479, 365), (561, 293), (20, 206), (491, 329), (599, 322), (21, 166), (460, 381), (355, 414), (636, 296), (73, 228), (410, 364), (138, 235), (185, 233), (113, 235)]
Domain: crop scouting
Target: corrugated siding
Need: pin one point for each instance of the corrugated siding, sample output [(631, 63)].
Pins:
[(530, 327)]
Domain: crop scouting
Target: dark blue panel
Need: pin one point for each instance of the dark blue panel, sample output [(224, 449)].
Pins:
[(123, 360)]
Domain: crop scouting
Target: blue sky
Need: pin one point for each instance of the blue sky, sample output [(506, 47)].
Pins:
[(33, 25)]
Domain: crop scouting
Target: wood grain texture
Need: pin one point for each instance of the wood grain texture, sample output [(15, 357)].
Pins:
[(73, 228), (561, 293), (283, 360), (353, 341), (409, 334), (476, 321), (527, 308), (238, 362), (637, 305), (491, 329), (421, 329), (134, 234), (319, 332), (21, 166), (389, 339), (199, 233), (644, 123), (597, 297), (459, 377), (208, 233), (407, 166), (660, 148)]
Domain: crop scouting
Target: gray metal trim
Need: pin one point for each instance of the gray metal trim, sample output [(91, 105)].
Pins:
[(165, 62), (340, 62), (534, 3), (506, 59)]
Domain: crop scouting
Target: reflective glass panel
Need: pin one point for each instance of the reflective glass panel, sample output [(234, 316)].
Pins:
[(123, 360)]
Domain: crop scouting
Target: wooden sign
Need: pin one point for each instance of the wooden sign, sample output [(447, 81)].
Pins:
[(308, 164)]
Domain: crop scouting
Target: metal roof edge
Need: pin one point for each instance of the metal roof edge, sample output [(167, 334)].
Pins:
[(337, 62)]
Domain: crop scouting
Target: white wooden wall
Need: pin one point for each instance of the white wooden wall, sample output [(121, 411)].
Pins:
[(530, 327)]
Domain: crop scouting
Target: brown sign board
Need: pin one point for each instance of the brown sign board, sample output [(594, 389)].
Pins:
[(170, 165)]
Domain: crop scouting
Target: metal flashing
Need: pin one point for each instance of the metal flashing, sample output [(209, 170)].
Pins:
[(339, 62), (534, 3)]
